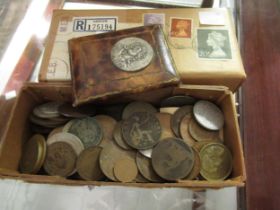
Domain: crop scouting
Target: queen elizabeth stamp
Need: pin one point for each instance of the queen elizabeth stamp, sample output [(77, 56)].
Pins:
[(181, 28), (213, 44)]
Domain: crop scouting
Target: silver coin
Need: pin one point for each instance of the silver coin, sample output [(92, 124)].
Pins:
[(47, 110), (208, 115), (132, 54), (146, 152)]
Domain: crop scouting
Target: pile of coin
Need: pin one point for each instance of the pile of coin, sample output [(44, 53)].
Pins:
[(182, 139)]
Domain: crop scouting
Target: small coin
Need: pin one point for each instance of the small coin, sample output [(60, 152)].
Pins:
[(125, 170), (145, 167), (108, 157), (146, 152), (184, 130), (88, 164), (141, 130), (117, 133), (132, 54), (196, 167), (107, 125), (68, 110), (216, 162), (172, 159), (175, 101), (168, 110), (137, 106), (201, 134), (178, 116), (60, 159), (88, 130), (47, 110), (33, 155), (208, 115), (45, 122), (55, 131), (165, 123), (140, 178)]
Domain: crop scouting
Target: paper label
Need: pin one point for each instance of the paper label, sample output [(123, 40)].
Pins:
[(211, 18)]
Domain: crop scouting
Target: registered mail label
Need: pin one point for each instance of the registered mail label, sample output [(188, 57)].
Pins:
[(95, 24)]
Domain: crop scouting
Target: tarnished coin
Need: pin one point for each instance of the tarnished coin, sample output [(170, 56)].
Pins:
[(216, 162), (55, 131), (208, 115), (200, 144), (168, 110), (60, 159), (165, 123), (140, 178), (172, 159), (178, 116), (141, 130), (107, 125), (196, 167), (88, 130), (184, 130), (117, 133), (125, 170), (33, 154), (175, 101), (137, 106), (88, 164), (145, 167), (132, 54), (201, 134), (108, 157), (66, 109), (47, 110), (45, 122)]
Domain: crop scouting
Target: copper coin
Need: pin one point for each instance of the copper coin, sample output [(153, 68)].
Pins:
[(125, 170), (177, 118), (108, 157), (201, 134), (140, 178), (60, 159), (168, 110), (141, 130), (145, 167), (68, 110), (175, 101), (33, 155), (137, 106), (172, 159), (165, 123), (184, 130), (119, 138), (88, 164), (107, 125), (196, 168), (47, 110)]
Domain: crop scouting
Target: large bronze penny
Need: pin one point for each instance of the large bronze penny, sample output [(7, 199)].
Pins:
[(88, 130), (137, 106), (88, 164), (184, 130), (125, 170), (216, 162), (68, 110), (60, 159), (172, 159), (175, 101), (196, 168), (119, 138), (141, 130), (177, 118)]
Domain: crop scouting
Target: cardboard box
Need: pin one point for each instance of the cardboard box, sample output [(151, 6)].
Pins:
[(194, 59), (32, 94)]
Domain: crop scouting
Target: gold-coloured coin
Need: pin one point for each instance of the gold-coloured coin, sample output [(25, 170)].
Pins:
[(196, 167), (199, 144), (164, 120), (125, 170), (184, 130), (216, 162)]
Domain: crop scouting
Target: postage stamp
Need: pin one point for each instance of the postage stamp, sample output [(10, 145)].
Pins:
[(153, 18), (181, 27), (213, 44)]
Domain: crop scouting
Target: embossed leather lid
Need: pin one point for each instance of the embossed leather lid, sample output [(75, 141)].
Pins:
[(94, 76)]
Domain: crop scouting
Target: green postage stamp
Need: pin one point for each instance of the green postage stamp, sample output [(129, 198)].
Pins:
[(213, 44)]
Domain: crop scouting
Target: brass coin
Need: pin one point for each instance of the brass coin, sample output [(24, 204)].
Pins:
[(140, 178), (107, 125), (68, 110), (216, 162), (177, 118), (145, 167), (172, 159), (47, 110), (55, 131), (88, 164), (137, 106), (165, 123), (108, 157), (125, 170), (196, 168), (117, 133), (199, 144), (201, 134), (33, 155), (88, 130), (168, 110), (60, 159), (184, 130), (141, 130), (175, 101)]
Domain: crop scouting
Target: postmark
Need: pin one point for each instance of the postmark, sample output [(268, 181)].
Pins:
[(153, 18), (180, 27)]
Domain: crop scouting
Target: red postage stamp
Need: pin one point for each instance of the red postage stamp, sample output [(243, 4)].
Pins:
[(181, 28)]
